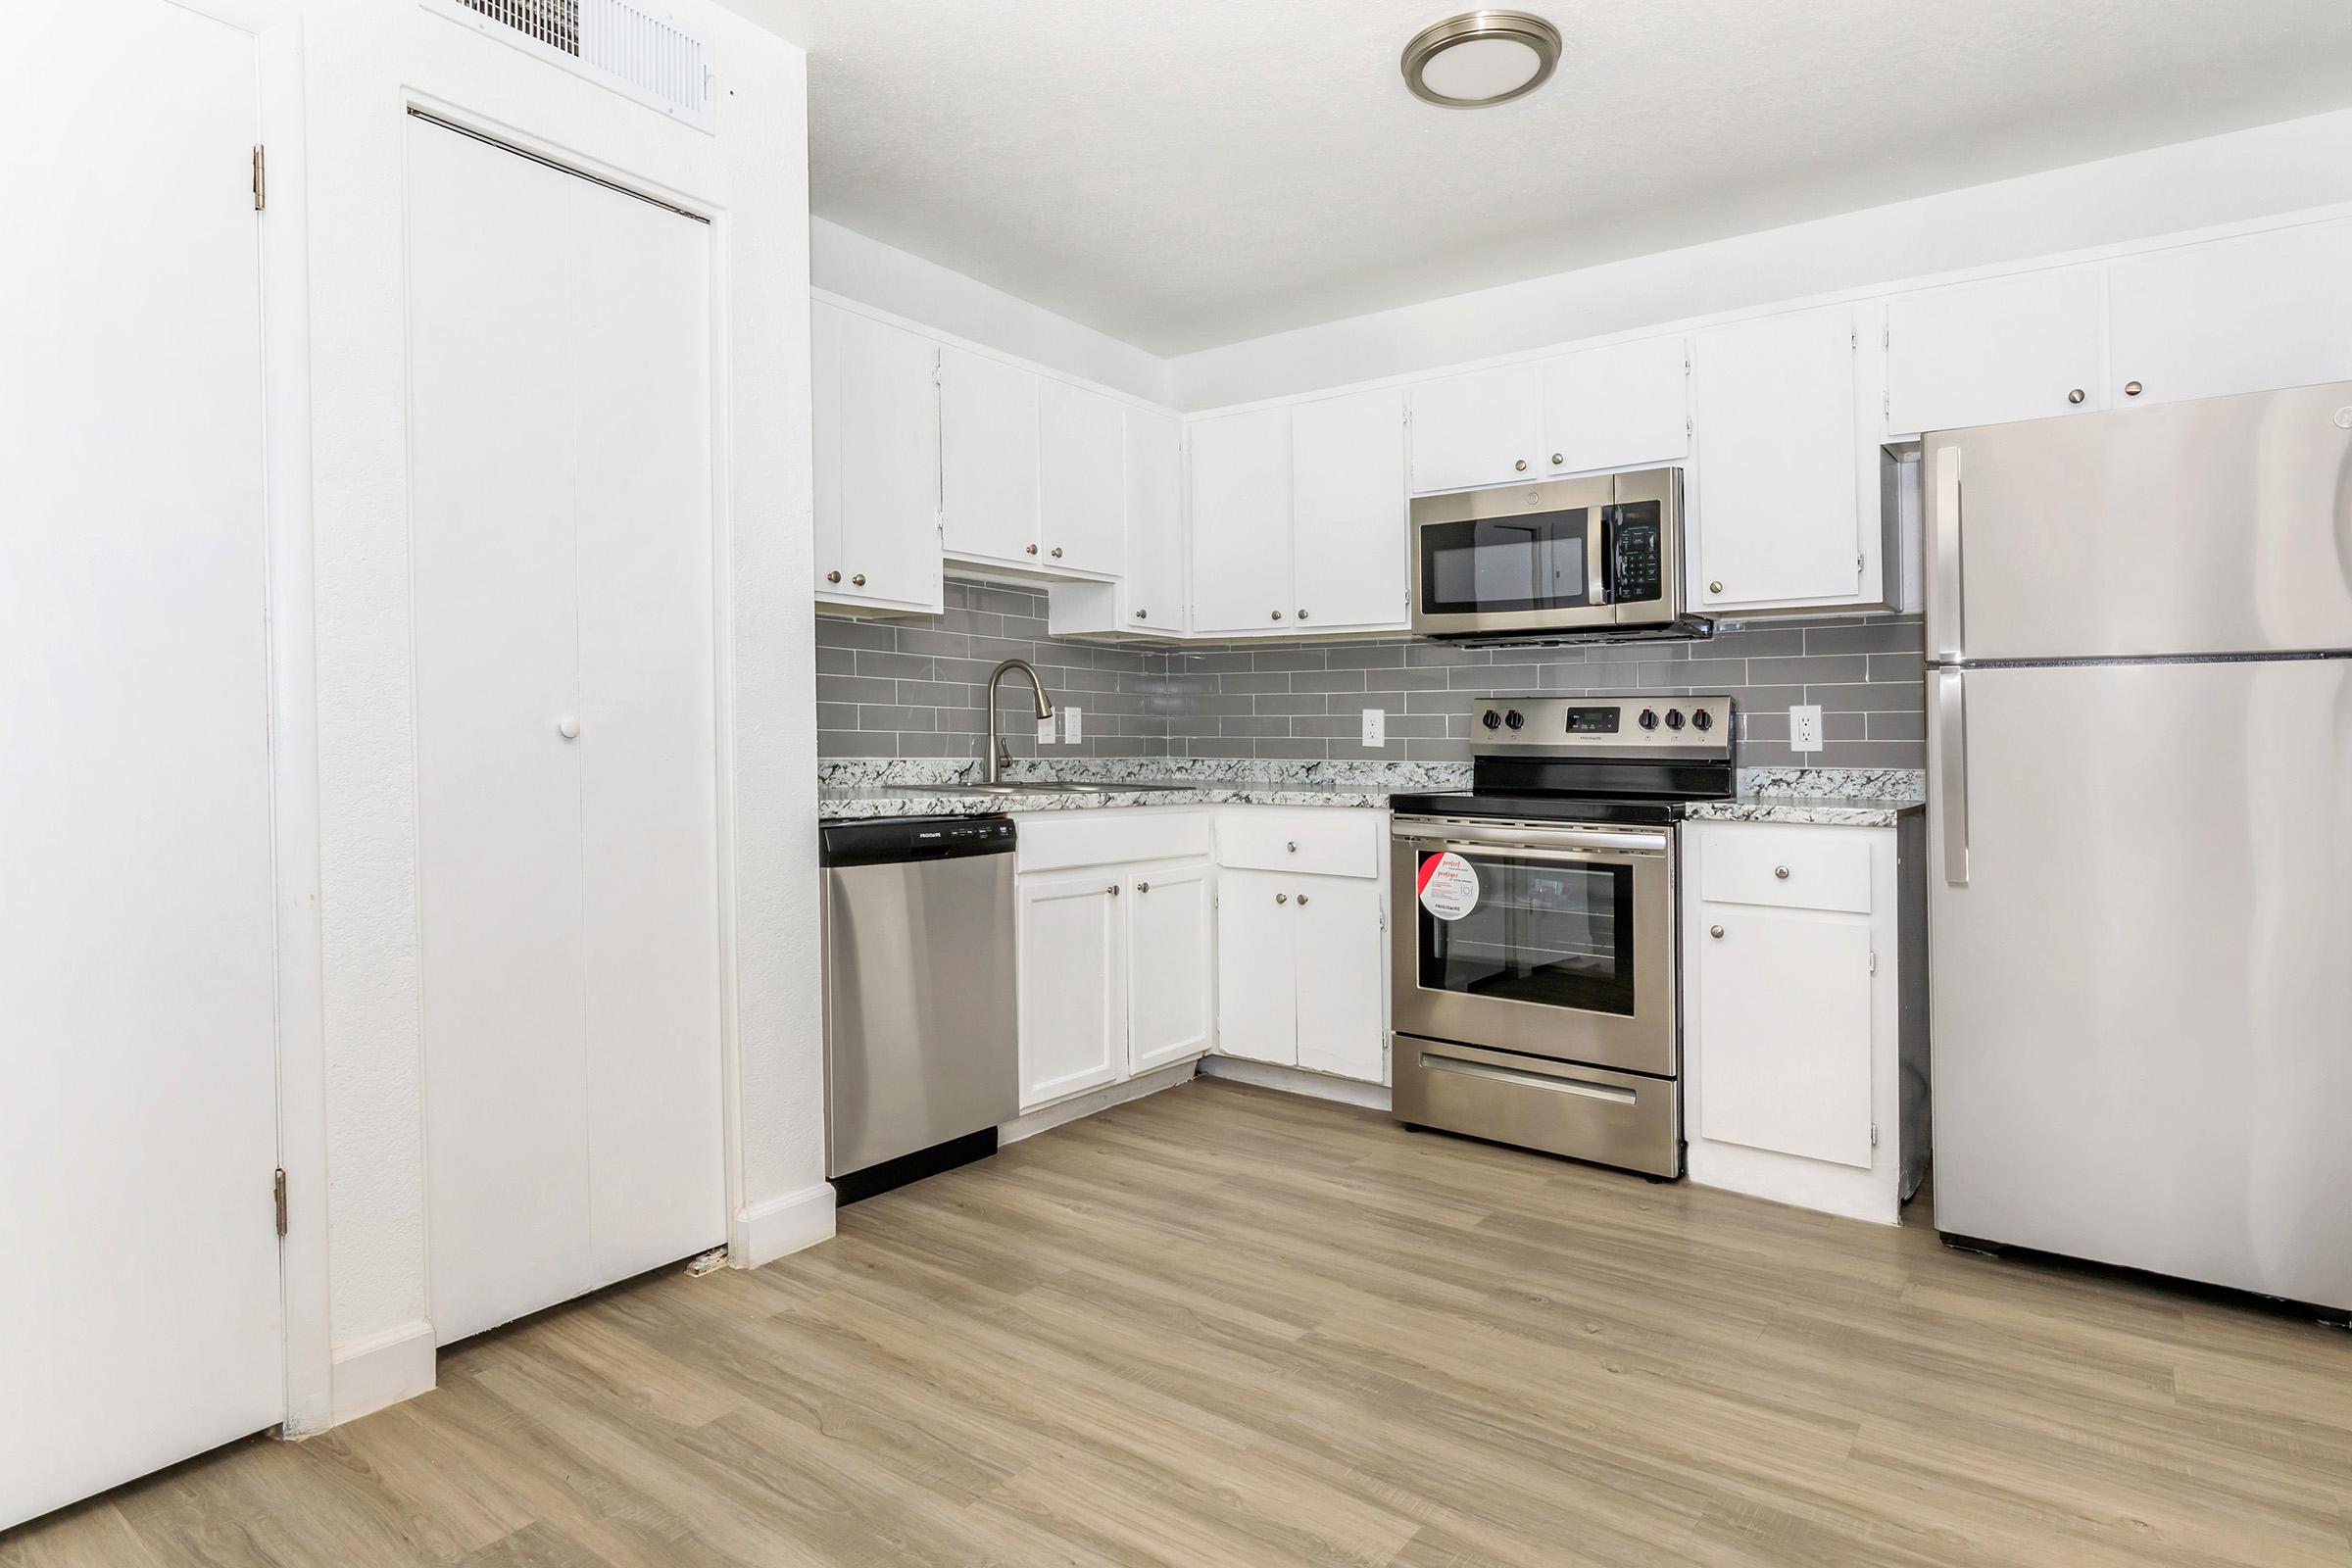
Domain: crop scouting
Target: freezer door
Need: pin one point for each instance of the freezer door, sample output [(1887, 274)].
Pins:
[(2142, 991), (2218, 527)]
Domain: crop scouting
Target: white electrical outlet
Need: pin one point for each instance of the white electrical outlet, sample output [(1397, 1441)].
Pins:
[(1045, 732), (1804, 728), (1072, 730), (1376, 726)]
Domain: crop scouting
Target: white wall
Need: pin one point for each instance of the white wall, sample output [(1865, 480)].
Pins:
[(365, 59), (2246, 174), (904, 284)]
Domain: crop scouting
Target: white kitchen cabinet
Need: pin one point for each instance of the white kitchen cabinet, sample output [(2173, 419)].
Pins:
[(1626, 406), (989, 443), (1336, 949), (2024, 348), (1082, 480), (1301, 964), (1241, 523), (1347, 512), (1258, 966), (2245, 314), (1784, 508), (1794, 1011), (1486, 427), (875, 424), (1171, 921), (1146, 598), (1073, 963)]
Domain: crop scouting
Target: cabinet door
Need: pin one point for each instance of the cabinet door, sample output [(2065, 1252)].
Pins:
[(988, 445), (2245, 314), (2024, 348), (1168, 921), (1240, 511), (1155, 461), (1347, 501), (1621, 407), (1257, 975), (1074, 1007), (1082, 480), (1340, 988), (876, 461), (1777, 502), (1781, 1048), (1477, 430)]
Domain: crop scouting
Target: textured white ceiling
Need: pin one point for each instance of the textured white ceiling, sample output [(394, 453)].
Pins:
[(1182, 173)]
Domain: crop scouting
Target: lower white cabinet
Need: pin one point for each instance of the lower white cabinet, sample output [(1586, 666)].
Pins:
[(1792, 1013), (1300, 979), (1073, 1002), (1170, 919)]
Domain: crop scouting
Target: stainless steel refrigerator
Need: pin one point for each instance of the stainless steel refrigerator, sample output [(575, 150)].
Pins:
[(2139, 750)]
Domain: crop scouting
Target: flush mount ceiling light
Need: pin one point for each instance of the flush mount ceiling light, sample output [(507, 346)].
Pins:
[(1480, 57)]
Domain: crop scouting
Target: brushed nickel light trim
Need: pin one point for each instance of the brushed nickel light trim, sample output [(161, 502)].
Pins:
[(1473, 27)]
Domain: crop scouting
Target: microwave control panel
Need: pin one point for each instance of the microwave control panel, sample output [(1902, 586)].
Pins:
[(1635, 552)]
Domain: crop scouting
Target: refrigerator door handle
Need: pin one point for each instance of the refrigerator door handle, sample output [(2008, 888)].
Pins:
[(1951, 782), (1943, 530)]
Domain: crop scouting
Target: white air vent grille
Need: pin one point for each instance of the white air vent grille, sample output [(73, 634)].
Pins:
[(633, 49)]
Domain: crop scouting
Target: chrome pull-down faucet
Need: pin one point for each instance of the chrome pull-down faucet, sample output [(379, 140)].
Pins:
[(998, 759)]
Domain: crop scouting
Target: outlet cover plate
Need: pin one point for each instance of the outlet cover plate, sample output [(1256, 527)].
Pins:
[(1804, 728), (1376, 726)]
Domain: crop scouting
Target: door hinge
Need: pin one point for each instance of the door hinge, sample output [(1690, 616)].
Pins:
[(1874, 1135), (260, 177), (277, 1197)]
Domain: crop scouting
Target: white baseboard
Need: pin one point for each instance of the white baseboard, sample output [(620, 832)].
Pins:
[(382, 1370), (780, 1226), (1296, 1081), (1094, 1099)]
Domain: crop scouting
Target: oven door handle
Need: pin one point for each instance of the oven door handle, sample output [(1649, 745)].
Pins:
[(1469, 835), (1433, 1062)]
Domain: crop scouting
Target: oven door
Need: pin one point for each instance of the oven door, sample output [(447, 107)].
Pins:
[(1525, 558), (1549, 939)]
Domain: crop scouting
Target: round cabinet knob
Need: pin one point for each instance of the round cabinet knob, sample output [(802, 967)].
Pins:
[(832, 576), (1702, 721), (1557, 459), (1715, 931), (1302, 901), (1302, 615), (568, 728), (1033, 550), (1781, 871), (1649, 718), (1491, 718), (1291, 845), (1143, 887), (2076, 396), (1140, 616), (858, 581), (1278, 614), (1281, 897), (1112, 890), (2130, 389), (1674, 718), (1521, 464), (1714, 587), (1058, 552), (1514, 719)]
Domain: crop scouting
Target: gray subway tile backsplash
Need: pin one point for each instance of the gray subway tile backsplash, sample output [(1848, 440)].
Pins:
[(913, 688)]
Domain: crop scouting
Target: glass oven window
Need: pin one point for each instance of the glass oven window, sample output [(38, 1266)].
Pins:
[(1482, 566), (1547, 932)]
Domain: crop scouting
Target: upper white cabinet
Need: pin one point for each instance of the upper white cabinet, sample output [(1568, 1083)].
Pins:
[(1147, 597), (1483, 428), (988, 427), (2245, 314), (1784, 508), (2021, 349), (1626, 406), (1347, 512), (1082, 480), (876, 462), (1240, 521)]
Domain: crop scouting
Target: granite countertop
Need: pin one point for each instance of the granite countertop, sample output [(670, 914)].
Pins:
[(1834, 796)]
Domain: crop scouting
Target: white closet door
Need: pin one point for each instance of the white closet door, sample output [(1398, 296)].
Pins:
[(138, 1257), (648, 808), (494, 359)]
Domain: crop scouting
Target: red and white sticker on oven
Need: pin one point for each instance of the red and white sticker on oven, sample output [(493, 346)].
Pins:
[(1449, 885)]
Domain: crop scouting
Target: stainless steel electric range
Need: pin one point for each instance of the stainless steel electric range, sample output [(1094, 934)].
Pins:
[(1533, 925)]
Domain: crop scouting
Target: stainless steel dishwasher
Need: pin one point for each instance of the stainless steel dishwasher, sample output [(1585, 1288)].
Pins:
[(923, 1041)]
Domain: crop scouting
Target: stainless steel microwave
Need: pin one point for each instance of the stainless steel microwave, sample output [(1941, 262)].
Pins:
[(1596, 558)]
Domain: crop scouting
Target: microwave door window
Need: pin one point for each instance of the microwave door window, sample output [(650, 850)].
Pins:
[(1491, 565), (1546, 933)]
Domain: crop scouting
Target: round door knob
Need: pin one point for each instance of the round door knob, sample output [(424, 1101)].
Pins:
[(1278, 614), (1715, 931), (1139, 614), (1302, 615), (1291, 845), (858, 581), (2130, 389), (2076, 396), (1302, 901), (1143, 887), (1521, 464), (1281, 897), (1781, 871), (1033, 550), (1557, 459), (1058, 552), (1714, 587), (568, 728), (1112, 890), (832, 576)]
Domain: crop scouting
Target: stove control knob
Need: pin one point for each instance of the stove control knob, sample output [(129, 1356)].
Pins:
[(1650, 719), (1491, 718), (1674, 718), (1702, 721), (1513, 719)]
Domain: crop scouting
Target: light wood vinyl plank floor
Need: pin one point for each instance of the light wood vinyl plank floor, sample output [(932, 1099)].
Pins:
[(1227, 1326)]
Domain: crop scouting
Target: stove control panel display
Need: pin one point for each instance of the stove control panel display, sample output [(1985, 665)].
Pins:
[(1592, 720), (1680, 728)]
